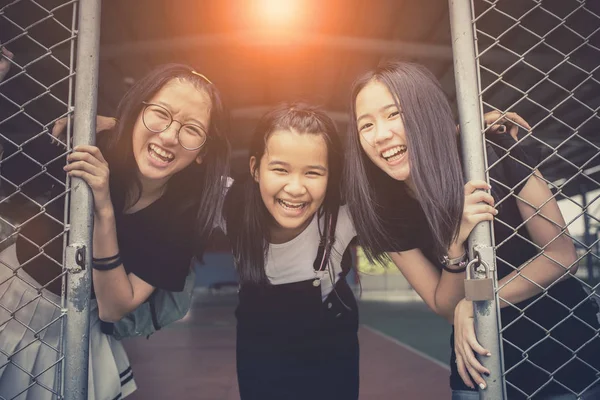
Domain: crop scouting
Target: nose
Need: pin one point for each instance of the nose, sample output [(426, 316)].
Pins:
[(295, 187), (169, 135), (382, 133)]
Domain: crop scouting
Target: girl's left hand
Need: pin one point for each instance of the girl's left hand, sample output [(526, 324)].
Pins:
[(465, 343), (475, 210), (88, 163), (498, 123)]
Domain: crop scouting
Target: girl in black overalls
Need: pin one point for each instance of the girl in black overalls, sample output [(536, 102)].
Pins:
[(297, 317)]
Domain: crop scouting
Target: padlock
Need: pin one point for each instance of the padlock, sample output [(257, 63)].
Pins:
[(478, 289)]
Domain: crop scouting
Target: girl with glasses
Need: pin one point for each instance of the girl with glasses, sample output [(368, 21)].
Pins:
[(157, 182), (407, 198)]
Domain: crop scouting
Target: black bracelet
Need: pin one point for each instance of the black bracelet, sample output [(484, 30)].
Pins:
[(107, 263), (462, 268), (106, 259)]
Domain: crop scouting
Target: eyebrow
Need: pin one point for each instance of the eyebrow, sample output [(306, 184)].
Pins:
[(168, 107), (380, 110), (283, 163)]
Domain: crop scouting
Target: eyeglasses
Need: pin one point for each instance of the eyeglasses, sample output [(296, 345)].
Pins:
[(158, 119)]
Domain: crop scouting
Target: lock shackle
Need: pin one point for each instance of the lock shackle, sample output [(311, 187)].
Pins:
[(477, 260)]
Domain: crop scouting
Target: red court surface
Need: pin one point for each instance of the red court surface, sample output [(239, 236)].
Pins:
[(196, 360)]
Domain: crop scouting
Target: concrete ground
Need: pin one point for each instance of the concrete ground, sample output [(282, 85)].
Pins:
[(404, 353)]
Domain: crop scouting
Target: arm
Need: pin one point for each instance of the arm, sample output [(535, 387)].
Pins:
[(102, 124), (442, 291), (437, 289), (117, 292), (548, 231)]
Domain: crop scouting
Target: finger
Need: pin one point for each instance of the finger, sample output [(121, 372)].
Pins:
[(86, 176), (476, 376), (59, 127), (497, 128), (84, 166), (474, 344), (473, 362), (7, 53), (83, 156), (481, 209), (473, 185), (514, 132), (462, 371), (93, 150), (477, 218), (479, 197), (514, 117), (492, 117)]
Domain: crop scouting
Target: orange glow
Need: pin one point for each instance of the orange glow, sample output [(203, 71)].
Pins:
[(279, 13)]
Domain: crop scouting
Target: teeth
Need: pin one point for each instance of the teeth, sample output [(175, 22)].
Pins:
[(394, 151), (167, 156), (290, 205)]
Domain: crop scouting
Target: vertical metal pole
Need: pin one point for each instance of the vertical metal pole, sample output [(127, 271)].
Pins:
[(78, 253), (474, 163)]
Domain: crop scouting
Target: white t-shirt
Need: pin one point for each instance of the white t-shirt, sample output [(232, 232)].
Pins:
[(293, 261)]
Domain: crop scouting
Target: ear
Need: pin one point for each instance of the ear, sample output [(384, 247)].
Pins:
[(199, 159), (254, 168)]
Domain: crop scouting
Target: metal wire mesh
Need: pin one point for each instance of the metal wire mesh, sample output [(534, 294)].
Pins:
[(35, 93), (541, 59)]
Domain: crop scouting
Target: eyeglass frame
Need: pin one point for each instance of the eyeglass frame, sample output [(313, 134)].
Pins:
[(181, 125)]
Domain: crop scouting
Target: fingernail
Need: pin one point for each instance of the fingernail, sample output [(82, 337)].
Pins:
[(489, 354), (482, 386), (486, 373), (496, 211)]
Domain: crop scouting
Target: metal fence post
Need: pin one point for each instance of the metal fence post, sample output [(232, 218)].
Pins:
[(78, 253), (474, 163)]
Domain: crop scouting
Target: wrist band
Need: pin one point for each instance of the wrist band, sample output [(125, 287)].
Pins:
[(461, 261), (106, 263), (462, 267), (106, 259)]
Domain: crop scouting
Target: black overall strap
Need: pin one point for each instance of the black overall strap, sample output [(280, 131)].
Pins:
[(326, 243)]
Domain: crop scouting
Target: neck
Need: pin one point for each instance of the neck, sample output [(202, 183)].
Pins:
[(282, 235), (151, 191), (412, 190)]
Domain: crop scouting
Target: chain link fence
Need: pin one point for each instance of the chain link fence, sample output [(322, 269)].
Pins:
[(540, 59), (38, 90)]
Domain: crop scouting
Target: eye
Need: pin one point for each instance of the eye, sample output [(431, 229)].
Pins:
[(314, 173), (194, 130), (365, 126), (394, 114), (159, 112), (280, 170)]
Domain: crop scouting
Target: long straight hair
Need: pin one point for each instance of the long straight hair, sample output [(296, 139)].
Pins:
[(246, 216), (198, 187), (433, 158)]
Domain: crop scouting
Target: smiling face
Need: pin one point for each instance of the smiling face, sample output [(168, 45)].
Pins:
[(381, 130), (292, 178), (159, 155)]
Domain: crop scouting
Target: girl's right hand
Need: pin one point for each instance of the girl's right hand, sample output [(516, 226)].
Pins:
[(474, 211), (88, 163)]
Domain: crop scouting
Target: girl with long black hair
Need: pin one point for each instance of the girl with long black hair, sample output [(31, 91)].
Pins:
[(297, 317), (406, 197)]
